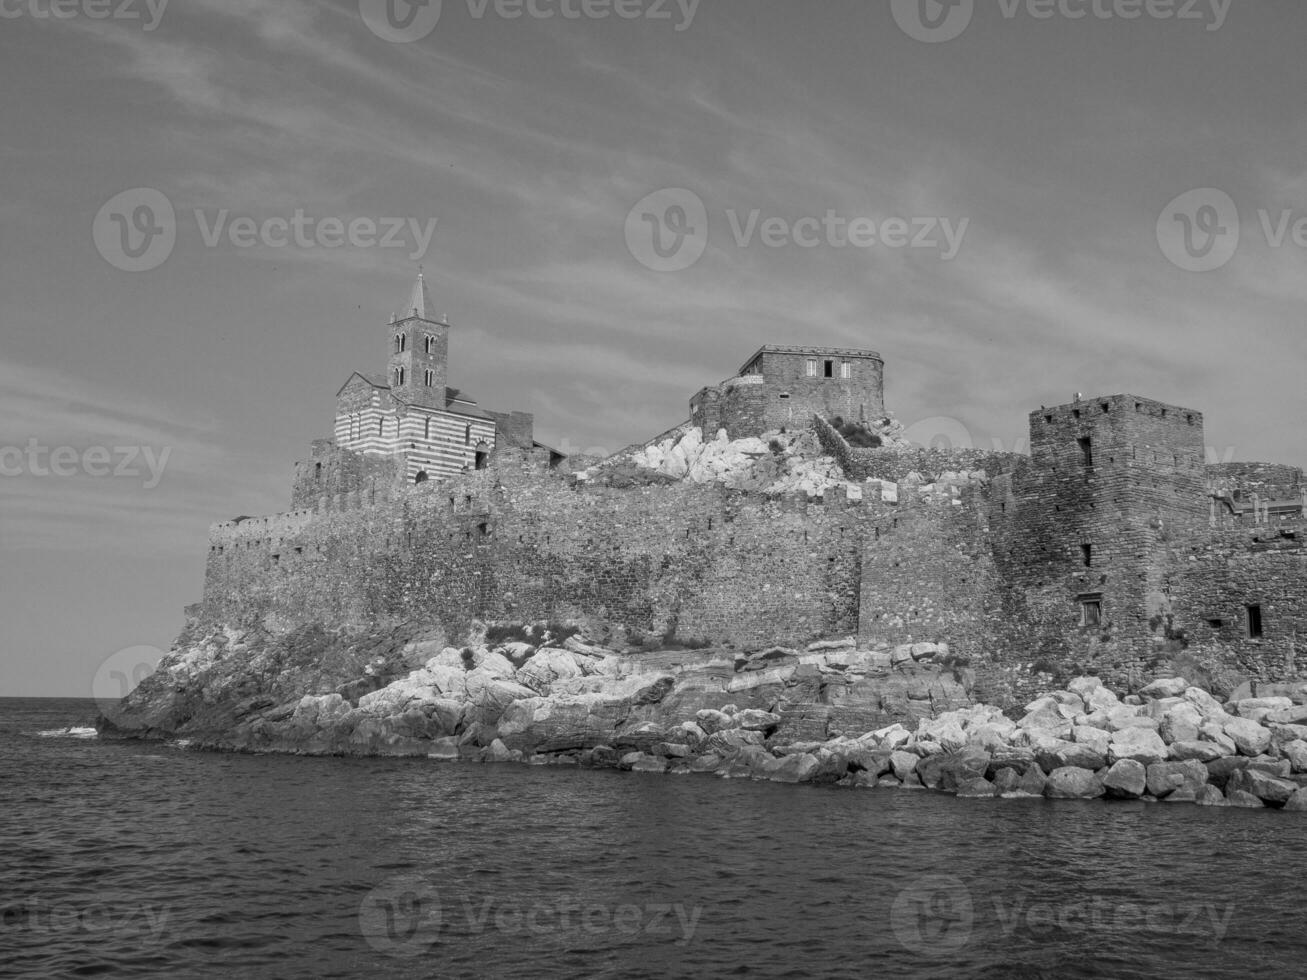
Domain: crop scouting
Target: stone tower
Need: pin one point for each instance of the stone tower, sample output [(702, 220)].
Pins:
[(418, 370), (1114, 481)]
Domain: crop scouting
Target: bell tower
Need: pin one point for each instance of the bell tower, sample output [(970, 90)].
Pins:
[(419, 351)]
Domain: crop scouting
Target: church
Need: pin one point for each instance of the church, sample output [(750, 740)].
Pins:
[(411, 415)]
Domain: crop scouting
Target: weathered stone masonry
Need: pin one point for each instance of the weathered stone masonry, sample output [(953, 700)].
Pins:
[(1112, 548)]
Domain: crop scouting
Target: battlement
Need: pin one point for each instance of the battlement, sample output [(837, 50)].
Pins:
[(1118, 430)]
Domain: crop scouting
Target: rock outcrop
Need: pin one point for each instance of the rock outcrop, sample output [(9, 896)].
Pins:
[(830, 713)]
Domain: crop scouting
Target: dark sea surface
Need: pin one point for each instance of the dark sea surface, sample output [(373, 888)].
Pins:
[(144, 860)]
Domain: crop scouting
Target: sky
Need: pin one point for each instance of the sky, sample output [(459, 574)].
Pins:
[(210, 209)]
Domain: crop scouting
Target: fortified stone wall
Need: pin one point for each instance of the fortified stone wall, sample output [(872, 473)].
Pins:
[(1241, 481), (738, 405), (331, 472), (894, 464), (1096, 554), (1217, 577), (516, 542)]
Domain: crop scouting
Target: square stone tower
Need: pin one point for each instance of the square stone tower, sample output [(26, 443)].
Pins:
[(418, 370)]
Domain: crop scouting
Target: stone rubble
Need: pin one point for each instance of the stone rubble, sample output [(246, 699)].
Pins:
[(776, 463)]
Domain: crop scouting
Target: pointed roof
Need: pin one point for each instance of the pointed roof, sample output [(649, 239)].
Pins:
[(420, 305)]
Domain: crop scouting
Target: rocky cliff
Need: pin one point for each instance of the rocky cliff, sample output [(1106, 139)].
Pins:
[(831, 713)]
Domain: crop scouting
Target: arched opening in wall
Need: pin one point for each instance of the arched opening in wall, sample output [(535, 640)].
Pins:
[(422, 477), (481, 459), (317, 472)]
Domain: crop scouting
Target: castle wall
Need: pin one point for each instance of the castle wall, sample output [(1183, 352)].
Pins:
[(519, 544), (1218, 575), (894, 464), (331, 472), (928, 574)]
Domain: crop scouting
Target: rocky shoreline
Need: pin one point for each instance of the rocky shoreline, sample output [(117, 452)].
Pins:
[(831, 714)]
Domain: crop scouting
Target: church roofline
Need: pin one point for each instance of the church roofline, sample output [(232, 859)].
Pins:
[(370, 380)]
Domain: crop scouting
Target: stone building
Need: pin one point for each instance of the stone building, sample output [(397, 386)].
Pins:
[(408, 425), (783, 387)]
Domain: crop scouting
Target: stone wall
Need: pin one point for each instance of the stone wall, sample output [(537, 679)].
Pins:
[(1241, 482), (895, 463), (516, 542), (331, 473), (738, 405), (1005, 572), (1217, 576)]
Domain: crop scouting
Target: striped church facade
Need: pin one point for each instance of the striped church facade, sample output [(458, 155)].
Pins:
[(411, 415), (438, 444)]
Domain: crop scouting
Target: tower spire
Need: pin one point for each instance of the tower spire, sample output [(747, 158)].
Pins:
[(420, 304)]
